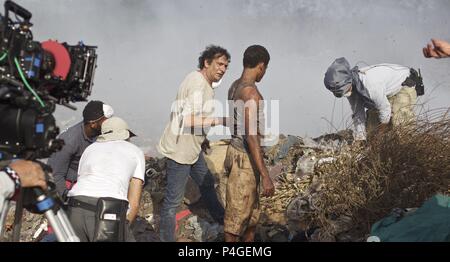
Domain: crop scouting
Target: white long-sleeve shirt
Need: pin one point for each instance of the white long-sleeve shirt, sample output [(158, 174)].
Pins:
[(381, 81), (6, 188)]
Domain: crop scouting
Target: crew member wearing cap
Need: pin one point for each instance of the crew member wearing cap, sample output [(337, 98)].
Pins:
[(111, 167), (64, 163), (386, 90)]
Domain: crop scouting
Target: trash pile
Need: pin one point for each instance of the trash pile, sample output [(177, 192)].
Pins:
[(200, 230), (338, 191), (292, 165), (327, 189), (31, 228)]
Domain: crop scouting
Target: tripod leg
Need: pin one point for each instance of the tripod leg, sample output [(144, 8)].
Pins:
[(56, 225), (3, 218), (72, 237), (18, 218)]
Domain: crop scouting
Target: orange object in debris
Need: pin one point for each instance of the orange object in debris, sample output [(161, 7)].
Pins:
[(180, 215)]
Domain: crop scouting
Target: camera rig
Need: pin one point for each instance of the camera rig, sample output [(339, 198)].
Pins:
[(34, 77)]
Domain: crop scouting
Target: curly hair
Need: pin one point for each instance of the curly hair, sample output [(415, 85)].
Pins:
[(211, 52)]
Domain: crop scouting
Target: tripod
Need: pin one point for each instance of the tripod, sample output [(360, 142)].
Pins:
[(52, 211)]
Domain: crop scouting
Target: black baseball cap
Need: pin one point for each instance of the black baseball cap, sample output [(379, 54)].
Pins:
[(95, 110)]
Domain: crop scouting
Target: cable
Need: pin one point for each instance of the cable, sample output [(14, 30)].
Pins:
[(27, 84), (5, 54), (342, 115), (332, 114)]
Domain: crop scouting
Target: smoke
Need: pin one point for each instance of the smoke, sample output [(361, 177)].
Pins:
[(146, 48)]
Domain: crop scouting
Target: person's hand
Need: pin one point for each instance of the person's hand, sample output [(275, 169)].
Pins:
[(30, 173), (437, 49), (268, 187), (148, 157)]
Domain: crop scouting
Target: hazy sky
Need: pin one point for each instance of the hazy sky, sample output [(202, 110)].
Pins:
[(146, 48)]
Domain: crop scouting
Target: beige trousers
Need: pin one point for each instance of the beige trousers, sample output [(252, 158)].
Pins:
[(402, 106)]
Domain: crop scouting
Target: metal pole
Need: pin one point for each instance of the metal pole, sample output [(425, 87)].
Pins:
[(18, 217), (71, 236), (52, 219), (59, 222), (3, 217)]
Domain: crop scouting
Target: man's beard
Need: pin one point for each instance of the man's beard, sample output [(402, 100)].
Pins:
[(97, 131)]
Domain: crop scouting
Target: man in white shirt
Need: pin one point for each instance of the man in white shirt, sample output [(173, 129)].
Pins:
[(111, 167), (77, 138), (184, 135), (386, 90)]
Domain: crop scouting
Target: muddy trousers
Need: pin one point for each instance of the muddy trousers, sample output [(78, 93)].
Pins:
[(242, 201)]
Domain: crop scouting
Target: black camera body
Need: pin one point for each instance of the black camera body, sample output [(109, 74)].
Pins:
[(34, 77)]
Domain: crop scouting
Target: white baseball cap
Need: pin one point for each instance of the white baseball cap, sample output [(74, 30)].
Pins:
[(115, 128)]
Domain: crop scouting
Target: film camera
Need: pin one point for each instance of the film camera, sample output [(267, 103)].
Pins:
[(34, 77)]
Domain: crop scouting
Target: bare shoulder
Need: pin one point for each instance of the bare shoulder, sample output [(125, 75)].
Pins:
[(250, 92)]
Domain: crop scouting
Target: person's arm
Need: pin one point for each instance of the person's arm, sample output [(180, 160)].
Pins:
[(437, 49), (252, 138), (193, 110), (202, 122), (136, 184), (30, 173), (383, 106), (7, 188), (134, 198), (60, 162), (20, 173), (358, 117)]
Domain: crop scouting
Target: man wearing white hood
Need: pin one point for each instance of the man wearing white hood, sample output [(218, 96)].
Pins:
[(387, 91)]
